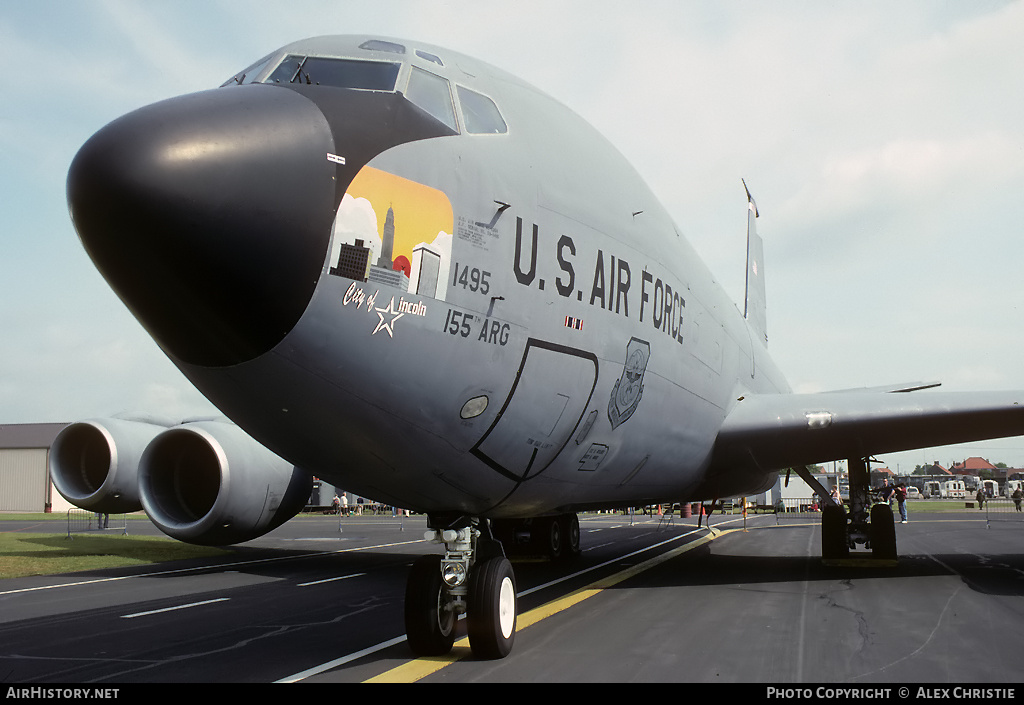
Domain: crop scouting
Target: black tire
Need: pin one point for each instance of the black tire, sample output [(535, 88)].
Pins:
[(834, 541), (491, 612), (883, 532), (571, 531), (429, 628), (553, 537)]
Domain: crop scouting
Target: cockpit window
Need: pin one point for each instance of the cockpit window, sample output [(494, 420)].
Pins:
[(434, 58), (250, 74), (480, 113), (339, 73), (432, 93), (381, 45)]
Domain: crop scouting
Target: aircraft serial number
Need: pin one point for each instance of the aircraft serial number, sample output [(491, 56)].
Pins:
[(471, 278)]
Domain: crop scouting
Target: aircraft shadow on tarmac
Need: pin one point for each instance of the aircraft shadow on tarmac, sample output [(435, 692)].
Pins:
[(996, 574)]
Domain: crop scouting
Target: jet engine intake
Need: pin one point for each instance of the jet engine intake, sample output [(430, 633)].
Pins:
[(94, 464), (210, 483)]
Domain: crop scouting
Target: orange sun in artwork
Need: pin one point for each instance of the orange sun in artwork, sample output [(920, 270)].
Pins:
[(402, 264)]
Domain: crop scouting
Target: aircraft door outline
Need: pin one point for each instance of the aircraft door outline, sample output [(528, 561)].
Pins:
[(546, 404)]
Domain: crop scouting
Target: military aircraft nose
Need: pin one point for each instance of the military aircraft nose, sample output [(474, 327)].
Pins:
[(210, 215)]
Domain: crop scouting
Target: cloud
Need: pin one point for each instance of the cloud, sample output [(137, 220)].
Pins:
[(356, 220)]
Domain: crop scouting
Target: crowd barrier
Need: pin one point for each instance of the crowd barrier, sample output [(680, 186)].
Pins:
[(1001, 509), (996, 509), (81, 521), (800, 508)]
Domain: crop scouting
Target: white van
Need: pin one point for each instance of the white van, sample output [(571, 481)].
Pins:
[(954, 489), (991, 488)]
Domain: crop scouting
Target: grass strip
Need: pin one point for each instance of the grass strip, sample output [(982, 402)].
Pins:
[(23, 555)]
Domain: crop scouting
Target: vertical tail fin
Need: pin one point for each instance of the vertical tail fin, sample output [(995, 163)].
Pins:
[(755, 307)]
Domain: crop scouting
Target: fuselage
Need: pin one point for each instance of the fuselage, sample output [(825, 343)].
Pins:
[(421, 279)]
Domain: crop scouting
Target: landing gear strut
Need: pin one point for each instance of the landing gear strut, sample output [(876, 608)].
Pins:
[(472, 578)]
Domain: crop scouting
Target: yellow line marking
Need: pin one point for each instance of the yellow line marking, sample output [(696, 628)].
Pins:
[(422, 667), (412, 671)]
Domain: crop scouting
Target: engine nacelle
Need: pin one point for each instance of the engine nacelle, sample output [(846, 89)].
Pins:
[(210, 483), (94, 464)]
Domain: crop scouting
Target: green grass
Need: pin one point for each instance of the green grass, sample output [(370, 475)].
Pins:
[(24, 554), (56, 516)]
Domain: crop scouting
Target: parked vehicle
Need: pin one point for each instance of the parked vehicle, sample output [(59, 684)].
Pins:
[(990, 487), (934, 489)]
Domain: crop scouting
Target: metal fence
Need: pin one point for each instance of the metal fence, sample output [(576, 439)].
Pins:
[(1002, 509), (996, 509), (376, 515), (795, 508), (81, 521)]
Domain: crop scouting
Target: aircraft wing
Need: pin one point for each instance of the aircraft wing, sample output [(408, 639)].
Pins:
[(893, 388), (772, 432)]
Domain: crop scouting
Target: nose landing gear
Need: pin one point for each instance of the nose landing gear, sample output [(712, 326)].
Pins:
[(472, 578)]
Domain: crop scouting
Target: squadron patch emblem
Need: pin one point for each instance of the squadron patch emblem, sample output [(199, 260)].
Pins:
[(630, 387)]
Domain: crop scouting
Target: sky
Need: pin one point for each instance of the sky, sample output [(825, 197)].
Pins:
[(883, 143)]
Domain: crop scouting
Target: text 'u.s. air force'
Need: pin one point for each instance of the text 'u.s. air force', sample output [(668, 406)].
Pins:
[(612, 287)]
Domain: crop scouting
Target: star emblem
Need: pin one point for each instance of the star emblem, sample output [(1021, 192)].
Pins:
[(385, 314)]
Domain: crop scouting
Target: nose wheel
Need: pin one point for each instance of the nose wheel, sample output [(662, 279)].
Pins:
[(492, 609), (472, 578), (429, 611)]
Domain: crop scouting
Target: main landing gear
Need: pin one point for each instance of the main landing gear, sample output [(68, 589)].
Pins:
[(554, 537), (872, 526), (473, 578)]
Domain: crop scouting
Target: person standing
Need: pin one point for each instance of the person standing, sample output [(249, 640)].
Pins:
[(885, 492), (901, 501), (980, 497), (1017, 497)]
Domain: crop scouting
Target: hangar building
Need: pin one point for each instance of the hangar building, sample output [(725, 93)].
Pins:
[(25, 484)]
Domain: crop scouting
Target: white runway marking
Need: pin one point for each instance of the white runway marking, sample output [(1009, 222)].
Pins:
[(330, 580), (171, 609)]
